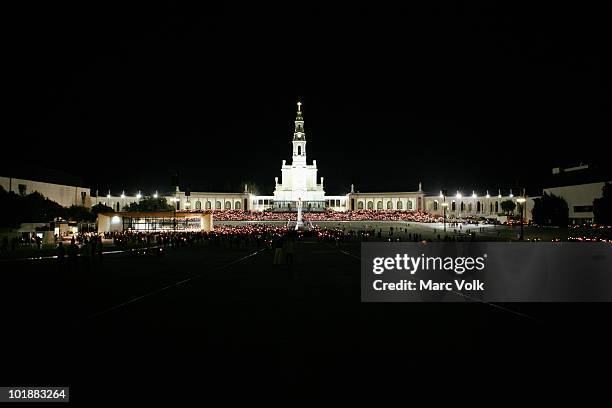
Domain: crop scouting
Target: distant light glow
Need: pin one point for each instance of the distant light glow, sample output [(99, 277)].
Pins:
[(459, 195), (115, 219)]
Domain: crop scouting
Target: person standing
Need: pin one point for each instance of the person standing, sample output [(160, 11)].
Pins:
[(278, 251), (61, 253), (288, 249), (99, 248)]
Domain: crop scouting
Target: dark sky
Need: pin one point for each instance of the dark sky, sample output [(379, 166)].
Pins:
[(457, 97)]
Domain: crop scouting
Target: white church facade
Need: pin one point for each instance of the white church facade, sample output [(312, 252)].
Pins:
[(299, 182)]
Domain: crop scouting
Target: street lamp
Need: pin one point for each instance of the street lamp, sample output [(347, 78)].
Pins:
[(521, 201), (444, 205), (176, 200)]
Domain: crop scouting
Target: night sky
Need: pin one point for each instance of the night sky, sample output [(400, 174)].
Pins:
[(458, 97)]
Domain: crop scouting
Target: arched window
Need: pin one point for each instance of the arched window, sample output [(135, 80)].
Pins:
[(237, 205), (435, 205), (370, 205), (299, 150), (409, 205), (360, 205), (478, 206), (389, 205), (379, 205), (470, 207), (490, 207), (208, 205), (118, 207), (228, 205), (399, 205), (453, 206), (462, 207), (198, 205), (497, 206), (218, 205)]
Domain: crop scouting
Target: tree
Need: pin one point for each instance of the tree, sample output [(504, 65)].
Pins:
[(508, 206), (8, 207), (100, 208), (80, 214), (550, 210), (150, 204), (251, 186), (602, 207), (34, 207)]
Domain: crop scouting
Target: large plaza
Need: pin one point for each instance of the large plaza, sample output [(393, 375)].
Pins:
[(220, 304)]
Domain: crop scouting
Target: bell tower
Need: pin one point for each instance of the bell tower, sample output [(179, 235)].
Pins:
[(299, 138), (299, 179)]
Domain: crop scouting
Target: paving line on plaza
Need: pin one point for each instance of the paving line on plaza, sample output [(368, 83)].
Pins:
[(349, 254), (505, 309), (170, 286), (80, 255)]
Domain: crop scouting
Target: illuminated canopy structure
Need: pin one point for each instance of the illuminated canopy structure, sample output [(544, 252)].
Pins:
[(154, 221)]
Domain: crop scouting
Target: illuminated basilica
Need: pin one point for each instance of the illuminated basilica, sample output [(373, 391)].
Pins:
[(300, 183)]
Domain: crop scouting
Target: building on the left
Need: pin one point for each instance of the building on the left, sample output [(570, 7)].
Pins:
[(64, 190)]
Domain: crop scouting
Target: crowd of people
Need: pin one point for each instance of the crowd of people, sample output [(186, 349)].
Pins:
[(19, 241), (254, 231), (360, 215)]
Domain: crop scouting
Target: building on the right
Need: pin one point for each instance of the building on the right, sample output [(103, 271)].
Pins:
[(579, 186)]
